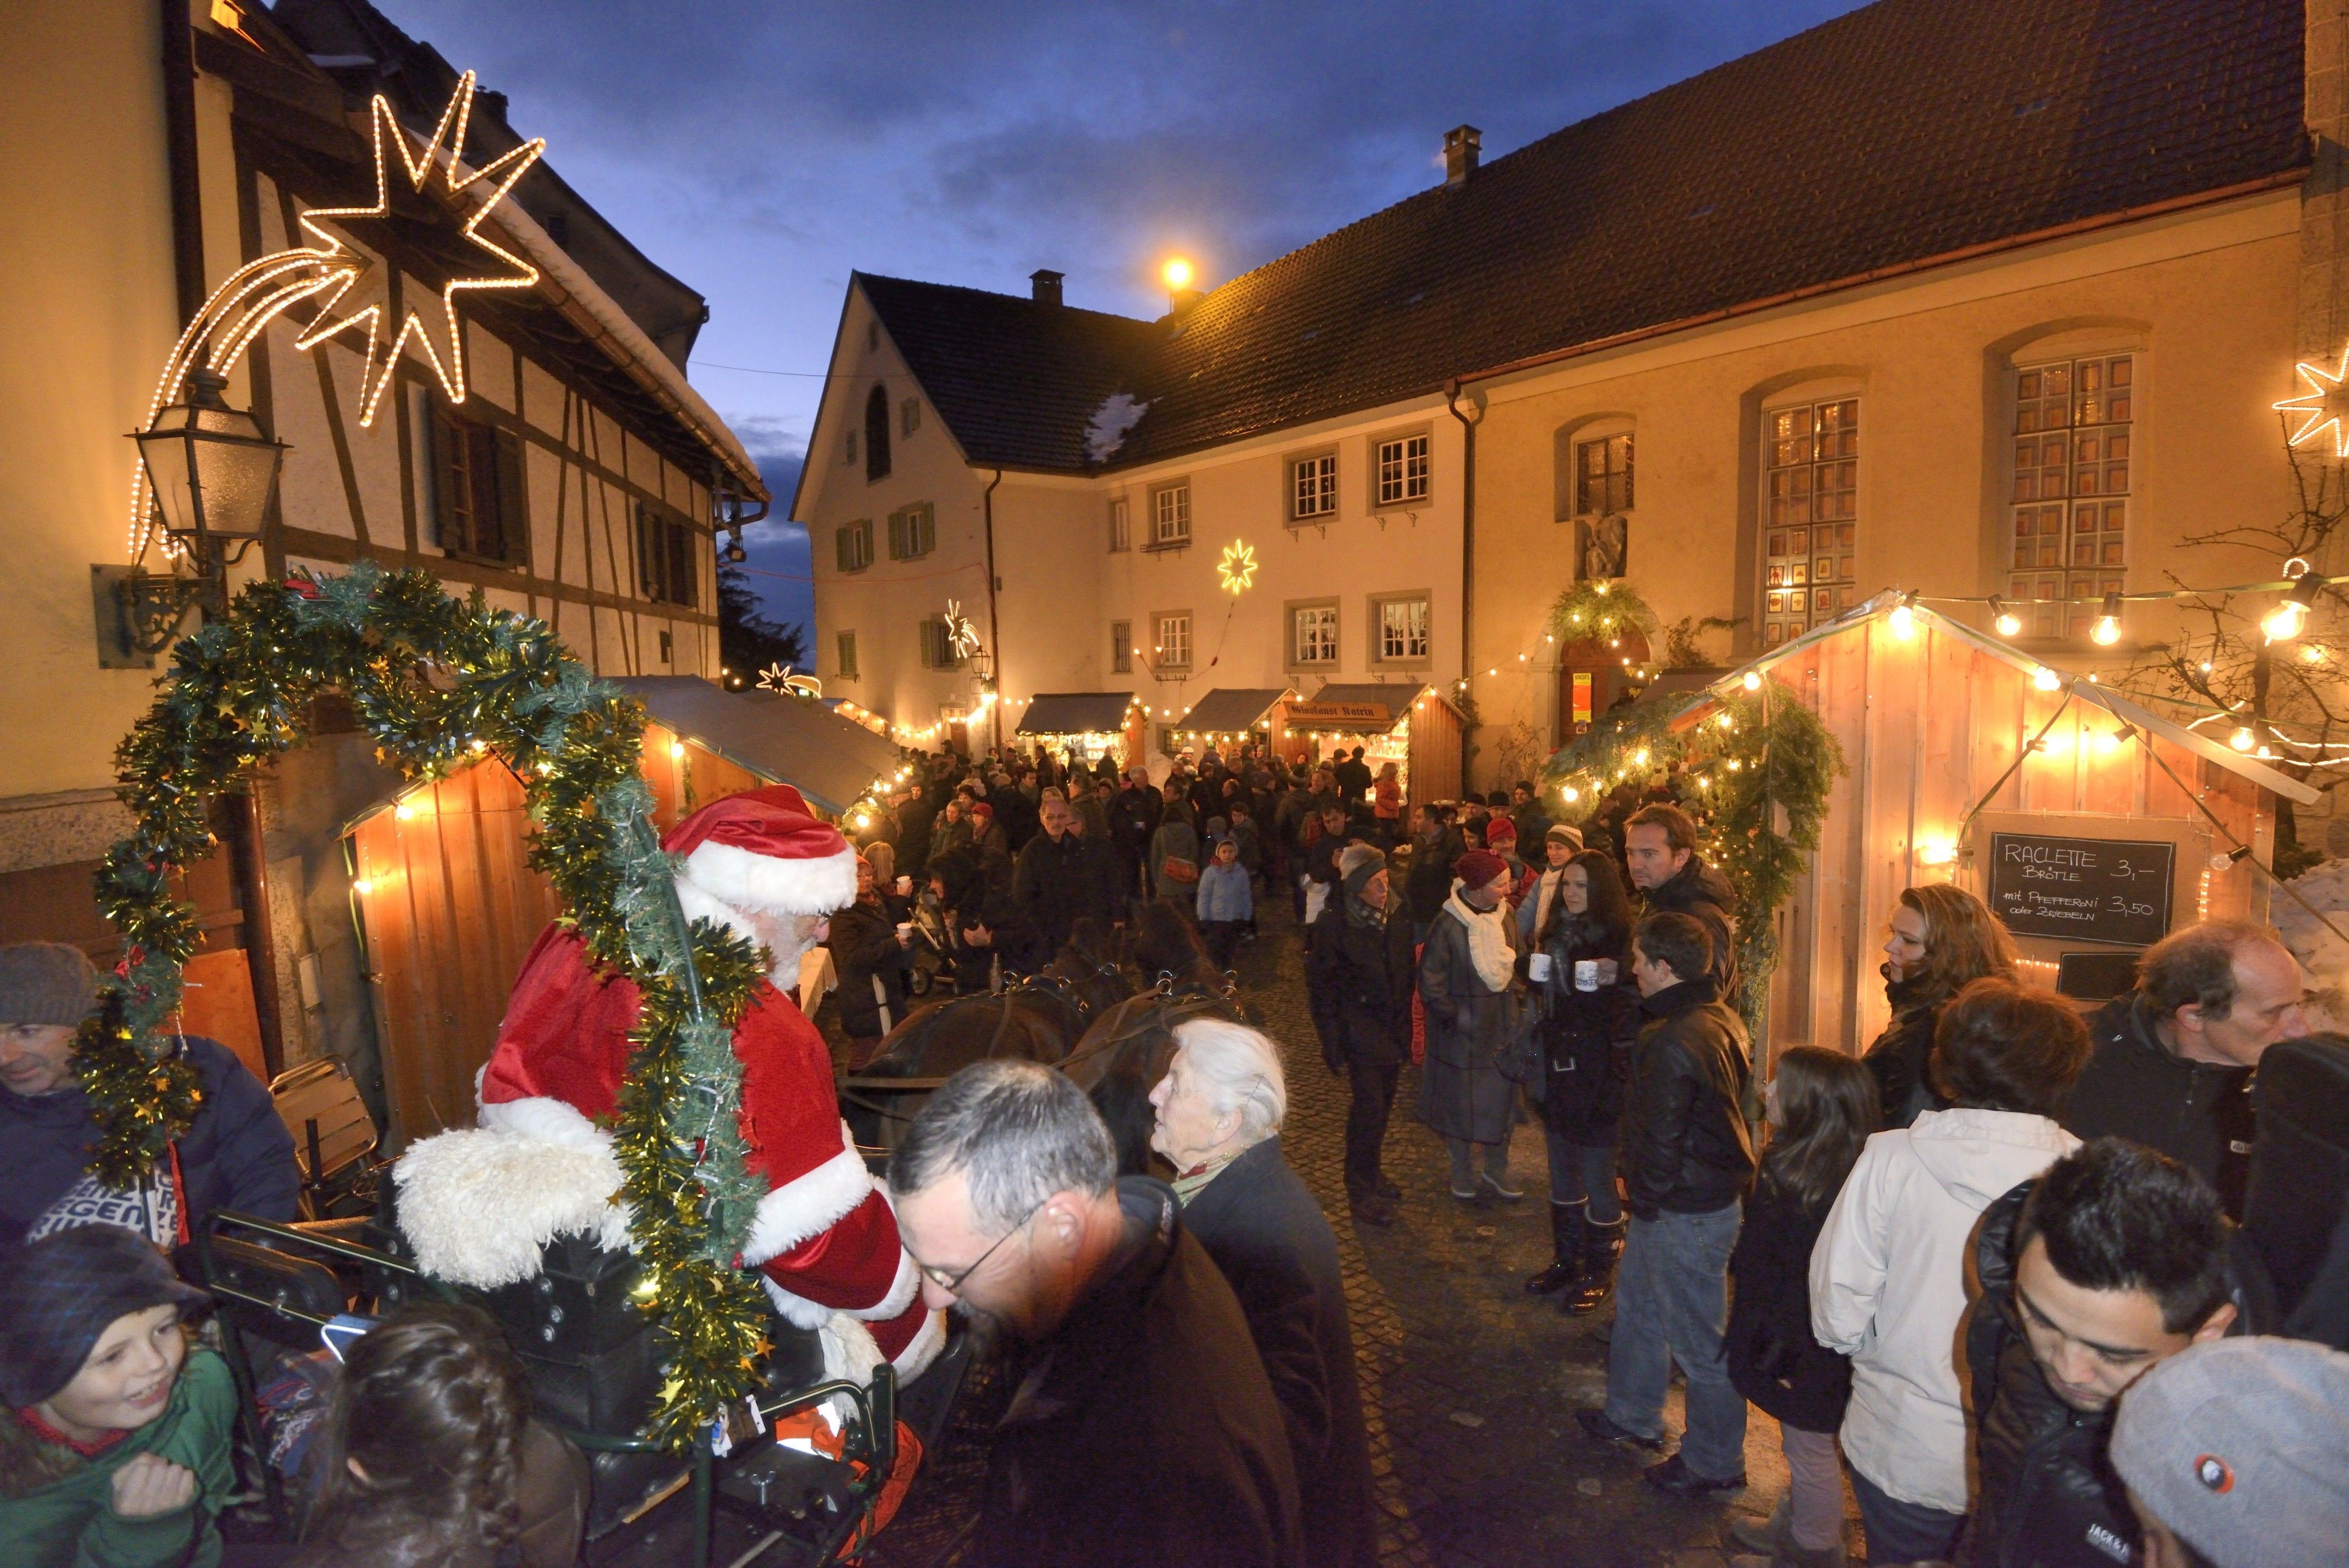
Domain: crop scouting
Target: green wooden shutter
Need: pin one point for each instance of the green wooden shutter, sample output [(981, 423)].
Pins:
[(898, 549), (925, 528), (513, 502)]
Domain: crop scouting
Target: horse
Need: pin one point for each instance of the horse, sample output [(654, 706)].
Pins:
[(1125, 1052), (1036, 1019)]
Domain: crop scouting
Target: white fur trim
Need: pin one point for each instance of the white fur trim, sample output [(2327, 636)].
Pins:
[(480, 1206), (751, 882), (803, 1208), (545, 1118), (795, 1309), (849, 1354), (902, 1290), (922, 1349), (698, 905)]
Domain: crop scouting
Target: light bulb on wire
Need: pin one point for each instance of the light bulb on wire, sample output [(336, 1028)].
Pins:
[(1903, 620), (2108, 629), (2290, 616), (2003, 619)]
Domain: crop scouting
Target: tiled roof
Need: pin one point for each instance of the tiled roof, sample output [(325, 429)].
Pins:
[(1075, 713), (1903, 132), (1016, 382)]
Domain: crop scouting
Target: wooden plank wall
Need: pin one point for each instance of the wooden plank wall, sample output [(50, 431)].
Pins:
[(1928, 724), (451, 911), (1434, 753)]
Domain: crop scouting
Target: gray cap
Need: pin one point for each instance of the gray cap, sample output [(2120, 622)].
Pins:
[(45, 982), (2241, 1448)]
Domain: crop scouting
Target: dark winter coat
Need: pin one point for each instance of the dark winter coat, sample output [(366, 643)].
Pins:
[(237, 1154), (1134, 815), (1773, 1359), (1899, 1054), (1354, 781), (1268, 1234), (1057, 882), (1682, 1142), (1696, 888), (1145, 1434), (1112, 895), (1586, 1036), (2197, 1113), (1429, 882), (1358, 980), (1462, 1092), (871, 969)]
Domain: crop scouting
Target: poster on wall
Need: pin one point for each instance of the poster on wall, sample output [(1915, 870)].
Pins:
[(2108, 890)]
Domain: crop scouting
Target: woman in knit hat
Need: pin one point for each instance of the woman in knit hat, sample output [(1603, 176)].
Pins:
[(1358, 979), (1466, 973), (115, 1446)]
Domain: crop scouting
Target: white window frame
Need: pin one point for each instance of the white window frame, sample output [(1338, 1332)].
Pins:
[(1381, 604), (1173, 641), (1313, 486), (1170, 515), (1121, 524), (1318, 646), (1121, 647), (1408, 478), (912, 530)]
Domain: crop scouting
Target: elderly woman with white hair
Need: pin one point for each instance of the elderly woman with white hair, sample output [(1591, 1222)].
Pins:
[(1219, 1110)]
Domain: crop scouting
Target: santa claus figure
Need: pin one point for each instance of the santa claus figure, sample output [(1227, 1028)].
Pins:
[(480, 1206)]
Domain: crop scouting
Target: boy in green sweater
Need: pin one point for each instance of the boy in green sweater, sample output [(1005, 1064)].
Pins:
[(114, 1448)]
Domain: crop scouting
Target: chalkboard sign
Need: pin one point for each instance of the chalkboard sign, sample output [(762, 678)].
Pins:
[(2082, 889)]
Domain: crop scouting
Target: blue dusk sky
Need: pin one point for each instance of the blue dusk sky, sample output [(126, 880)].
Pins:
[(762, 152)]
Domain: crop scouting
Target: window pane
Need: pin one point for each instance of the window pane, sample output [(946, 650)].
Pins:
[(1810, 500), (2089, 402)]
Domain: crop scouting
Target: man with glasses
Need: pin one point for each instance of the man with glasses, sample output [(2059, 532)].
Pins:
[(1145, 1431)]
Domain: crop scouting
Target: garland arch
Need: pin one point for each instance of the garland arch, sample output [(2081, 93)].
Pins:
[(442, 685)]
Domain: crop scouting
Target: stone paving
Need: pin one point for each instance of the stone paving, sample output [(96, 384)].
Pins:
[(1468, 1382)]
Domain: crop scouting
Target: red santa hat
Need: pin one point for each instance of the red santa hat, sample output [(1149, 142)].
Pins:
[(760, 852)]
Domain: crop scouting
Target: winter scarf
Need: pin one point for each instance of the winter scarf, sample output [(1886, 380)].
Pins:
[(1188, 1185), (1489, 940)]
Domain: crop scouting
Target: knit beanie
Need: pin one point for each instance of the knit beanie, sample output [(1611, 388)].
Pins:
[(45, 982), (1357, 864), (1565, 833), (2241, 1448), (58, 1294), (1477, 867), (1500, 830)]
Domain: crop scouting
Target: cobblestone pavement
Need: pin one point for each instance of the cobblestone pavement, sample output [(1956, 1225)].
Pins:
[(1469, 1383)]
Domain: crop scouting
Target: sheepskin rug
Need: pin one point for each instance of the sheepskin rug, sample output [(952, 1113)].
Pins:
[(481, 1205)]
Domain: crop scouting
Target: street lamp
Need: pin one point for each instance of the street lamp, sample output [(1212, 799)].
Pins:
[(213, 471)]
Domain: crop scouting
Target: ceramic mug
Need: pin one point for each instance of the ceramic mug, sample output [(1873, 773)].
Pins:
[(1538, 968), (1586, 975)]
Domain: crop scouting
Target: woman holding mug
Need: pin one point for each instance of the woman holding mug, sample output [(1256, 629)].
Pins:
[(1590, 1018), (1467, 974)]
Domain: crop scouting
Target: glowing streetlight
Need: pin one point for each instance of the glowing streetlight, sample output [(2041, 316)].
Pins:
[(1177, 274)]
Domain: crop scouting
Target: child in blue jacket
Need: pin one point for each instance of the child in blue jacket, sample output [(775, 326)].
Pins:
[(1226, 901)]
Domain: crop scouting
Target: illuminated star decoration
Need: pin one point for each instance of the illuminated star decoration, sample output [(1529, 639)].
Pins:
[(959, 631), (779, 679), (2325, 405), (1237, 570), (258, 292)]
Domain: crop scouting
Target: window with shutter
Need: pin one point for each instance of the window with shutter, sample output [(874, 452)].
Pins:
[(1121, 647), (478, 502), (845, 657), (668, 563), (897, 550), (913, 531), (853, 546), (1120, 525)]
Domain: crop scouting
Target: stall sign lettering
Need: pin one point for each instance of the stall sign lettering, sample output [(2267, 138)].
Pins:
[(2082, 889)]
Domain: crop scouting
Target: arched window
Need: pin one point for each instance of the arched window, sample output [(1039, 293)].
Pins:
[(877, 433)]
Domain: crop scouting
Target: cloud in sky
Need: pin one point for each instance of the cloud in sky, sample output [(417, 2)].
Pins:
[(762, 153)]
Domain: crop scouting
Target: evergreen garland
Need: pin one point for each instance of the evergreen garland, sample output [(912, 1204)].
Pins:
[(441, 686), (1754, 775), (1599, 609)]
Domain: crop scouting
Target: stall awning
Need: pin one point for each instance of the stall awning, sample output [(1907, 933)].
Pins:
[(1075, 713), (1365, 709), (1232, 709), (830, 760)]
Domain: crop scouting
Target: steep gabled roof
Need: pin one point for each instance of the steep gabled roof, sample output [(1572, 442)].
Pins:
[(1905, 131), (1016, 381)]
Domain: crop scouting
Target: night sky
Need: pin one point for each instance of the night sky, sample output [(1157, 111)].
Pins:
[(761, 151)]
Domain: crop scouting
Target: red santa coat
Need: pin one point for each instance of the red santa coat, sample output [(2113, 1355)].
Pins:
[(480, 1206)]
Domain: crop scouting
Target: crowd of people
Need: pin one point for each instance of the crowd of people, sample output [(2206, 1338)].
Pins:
[(2011, 1274)]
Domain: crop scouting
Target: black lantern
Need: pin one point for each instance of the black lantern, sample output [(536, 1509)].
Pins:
[(213, 471)]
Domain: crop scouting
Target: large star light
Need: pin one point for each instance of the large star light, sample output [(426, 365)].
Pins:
[(1237, 571), (353, 285), (2325, 406), (959, 630)]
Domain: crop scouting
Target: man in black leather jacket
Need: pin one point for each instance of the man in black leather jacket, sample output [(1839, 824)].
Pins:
[(1688, 1162), (2114, 1259)]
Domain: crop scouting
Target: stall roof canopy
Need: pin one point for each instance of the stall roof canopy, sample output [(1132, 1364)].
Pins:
[(2081, 690), (1075, 713), (1362, 708), (1232, 708), (830, 760)]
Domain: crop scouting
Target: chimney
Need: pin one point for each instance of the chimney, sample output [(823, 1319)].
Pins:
[(1044, 286), (1462, 144)]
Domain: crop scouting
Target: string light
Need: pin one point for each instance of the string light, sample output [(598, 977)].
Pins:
[(1751, 680), (2108, 629), (2003, 619), (1903, 618), (2047, 679), (2290, 616)]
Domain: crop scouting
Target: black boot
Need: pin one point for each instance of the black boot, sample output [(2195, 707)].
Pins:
[(1566, 1229), (1601, 1246)]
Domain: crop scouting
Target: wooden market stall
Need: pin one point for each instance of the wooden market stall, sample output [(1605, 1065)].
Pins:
[(1230, 714), (449, 906), (1414, 726), (1091, 723), (2090, 824)]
